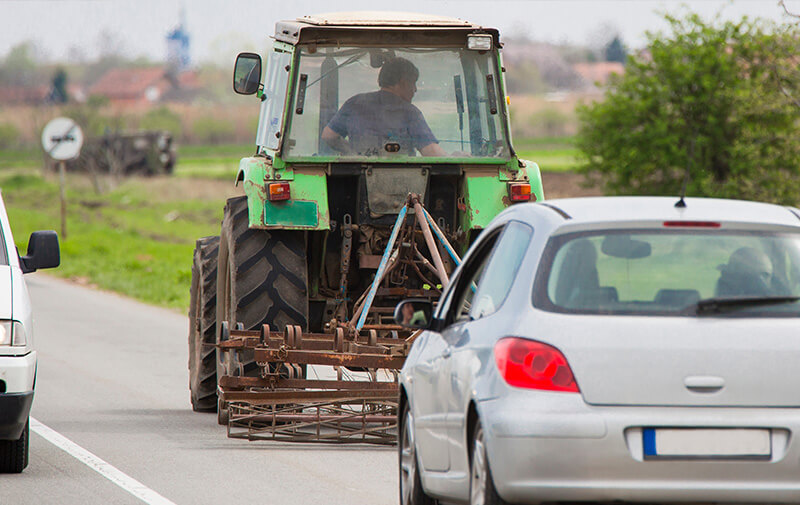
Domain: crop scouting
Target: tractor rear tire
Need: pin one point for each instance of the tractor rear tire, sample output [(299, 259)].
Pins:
[(261, 279), (202, 326)]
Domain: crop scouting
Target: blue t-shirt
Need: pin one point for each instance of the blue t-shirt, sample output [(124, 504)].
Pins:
[(371, 120)]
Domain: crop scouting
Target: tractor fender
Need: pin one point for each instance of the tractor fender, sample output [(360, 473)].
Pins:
[(254, 169), (306, 210), (534, 177)]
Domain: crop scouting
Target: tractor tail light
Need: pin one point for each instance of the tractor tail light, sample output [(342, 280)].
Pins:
[(279, 191), (520, 192), (529, 364)]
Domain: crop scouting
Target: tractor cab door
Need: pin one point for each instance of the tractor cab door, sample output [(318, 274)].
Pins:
[(276, 84)]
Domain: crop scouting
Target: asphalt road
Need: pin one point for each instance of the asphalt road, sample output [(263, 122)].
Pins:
[(112, 379)]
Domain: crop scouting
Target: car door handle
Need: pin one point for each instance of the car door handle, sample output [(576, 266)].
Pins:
[(704, 383), (446, 353)]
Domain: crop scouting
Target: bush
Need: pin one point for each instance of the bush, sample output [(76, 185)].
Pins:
[(91, 118), (162, 118), (209, 130), (9, 136), (549, 122), (720, 99)]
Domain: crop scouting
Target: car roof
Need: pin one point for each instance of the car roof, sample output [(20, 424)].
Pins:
[(628, 209)]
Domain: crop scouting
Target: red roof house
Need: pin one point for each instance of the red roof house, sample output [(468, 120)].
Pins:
[(132, 86)]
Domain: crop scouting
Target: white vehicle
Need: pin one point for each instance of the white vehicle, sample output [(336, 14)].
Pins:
[(17, 354)]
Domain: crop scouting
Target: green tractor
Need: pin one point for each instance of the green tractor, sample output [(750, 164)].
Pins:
[(358, 111)]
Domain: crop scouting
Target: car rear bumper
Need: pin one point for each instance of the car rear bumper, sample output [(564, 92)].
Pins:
[(14, 411), (573, 451), (17, 373)]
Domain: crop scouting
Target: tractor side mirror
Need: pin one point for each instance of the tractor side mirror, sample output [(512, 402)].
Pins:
[(414, 314), (43, 252), (247, 73)]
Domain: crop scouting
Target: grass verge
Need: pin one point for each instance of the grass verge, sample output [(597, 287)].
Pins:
[(551, 154), (136, 240)]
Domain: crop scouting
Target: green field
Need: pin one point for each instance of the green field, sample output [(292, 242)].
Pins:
[(551, 154)]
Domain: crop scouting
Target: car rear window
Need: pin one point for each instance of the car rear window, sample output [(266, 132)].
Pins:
[(668, 271)]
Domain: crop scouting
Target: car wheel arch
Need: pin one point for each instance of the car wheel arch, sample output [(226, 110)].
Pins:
[(472, 420), (403, 400)]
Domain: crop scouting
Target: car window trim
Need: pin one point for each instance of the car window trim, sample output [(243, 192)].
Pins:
[(492, 256), (483, 252), (5, 259)]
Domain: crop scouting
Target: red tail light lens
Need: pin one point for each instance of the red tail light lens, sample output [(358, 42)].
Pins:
[(279, 191), (519, 192), (529, 364)]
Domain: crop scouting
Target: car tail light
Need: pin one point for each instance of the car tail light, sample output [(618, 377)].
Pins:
[(529, 364), (20, 338), (519, 192), (279, 191), (691, 224)]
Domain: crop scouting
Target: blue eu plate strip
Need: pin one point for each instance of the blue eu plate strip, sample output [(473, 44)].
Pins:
[(649, 438)]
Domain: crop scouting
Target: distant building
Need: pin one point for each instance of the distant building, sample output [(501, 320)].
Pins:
[(24, 95), (599, 73), (132, 86)]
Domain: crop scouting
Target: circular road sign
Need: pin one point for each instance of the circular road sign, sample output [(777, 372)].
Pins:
[(62, 139)]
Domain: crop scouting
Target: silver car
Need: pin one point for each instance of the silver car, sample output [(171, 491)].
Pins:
[(610, 349)]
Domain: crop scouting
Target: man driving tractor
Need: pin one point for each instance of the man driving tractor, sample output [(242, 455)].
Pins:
[(384, 120)]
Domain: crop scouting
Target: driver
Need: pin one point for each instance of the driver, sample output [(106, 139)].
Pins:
[(747, 273), (372, 122)]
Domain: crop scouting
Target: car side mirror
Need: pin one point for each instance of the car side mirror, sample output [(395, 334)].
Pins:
[(414, 314), (247, 73), (43, 252)]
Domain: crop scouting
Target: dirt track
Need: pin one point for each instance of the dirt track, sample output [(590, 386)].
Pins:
[(565, 185)]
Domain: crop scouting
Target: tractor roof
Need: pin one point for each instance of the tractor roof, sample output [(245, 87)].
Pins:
[(380, 18), (359, 26)]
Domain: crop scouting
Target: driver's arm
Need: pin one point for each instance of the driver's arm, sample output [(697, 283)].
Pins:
[(335, 140), (432, 149)]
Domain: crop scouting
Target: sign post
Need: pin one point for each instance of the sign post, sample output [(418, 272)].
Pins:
[(62, 140)]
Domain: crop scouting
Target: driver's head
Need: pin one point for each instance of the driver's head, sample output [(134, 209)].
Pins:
[(399, 76), (748, 260)]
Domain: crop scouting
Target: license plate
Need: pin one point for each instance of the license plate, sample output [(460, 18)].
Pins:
[(707, 443)]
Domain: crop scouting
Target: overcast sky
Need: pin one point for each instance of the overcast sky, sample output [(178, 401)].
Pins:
[(219, 29)]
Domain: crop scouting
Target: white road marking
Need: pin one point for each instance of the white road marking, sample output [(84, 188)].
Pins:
[(108, 471)]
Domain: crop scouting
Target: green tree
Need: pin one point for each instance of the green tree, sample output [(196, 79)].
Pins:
[(58, 92), (615, 51), (720, 99), (19, 66), (162, 118)]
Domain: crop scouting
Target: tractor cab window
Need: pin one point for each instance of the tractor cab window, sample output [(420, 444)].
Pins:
[(360, 102)]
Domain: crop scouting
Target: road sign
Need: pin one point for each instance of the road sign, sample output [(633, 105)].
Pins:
[(62, 139)]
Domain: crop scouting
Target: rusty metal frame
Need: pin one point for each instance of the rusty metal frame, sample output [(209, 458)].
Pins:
[(356, 421), (283, 405)]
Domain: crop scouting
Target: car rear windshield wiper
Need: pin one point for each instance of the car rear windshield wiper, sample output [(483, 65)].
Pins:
[(710, 305)]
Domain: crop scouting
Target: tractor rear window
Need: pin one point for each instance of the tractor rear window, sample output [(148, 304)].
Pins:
[(358, 102)]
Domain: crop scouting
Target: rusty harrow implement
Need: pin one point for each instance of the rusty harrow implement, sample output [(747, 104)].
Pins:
[(353, 395)]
